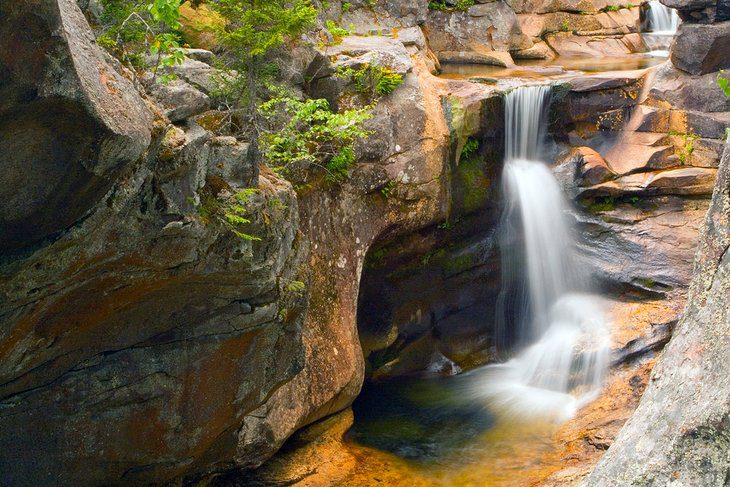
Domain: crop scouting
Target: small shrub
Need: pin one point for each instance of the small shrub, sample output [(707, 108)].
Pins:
[(685, 152), (565, 26), (723, 83), (132, 29), (470, 147), (310, 132), (346, 7), (612, 8), (373, 80), (231, 213), (337, 32)]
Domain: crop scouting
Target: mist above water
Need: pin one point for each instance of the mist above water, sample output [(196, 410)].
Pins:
[(558, 331)]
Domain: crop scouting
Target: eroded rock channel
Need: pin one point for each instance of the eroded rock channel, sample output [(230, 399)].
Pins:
[(143, 342)]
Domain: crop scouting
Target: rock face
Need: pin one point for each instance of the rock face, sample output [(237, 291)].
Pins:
[(679, 433), (496, 32), (65, 113), (147, 342), (701, 49)]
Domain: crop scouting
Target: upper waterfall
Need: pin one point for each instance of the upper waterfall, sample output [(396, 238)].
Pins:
[(661, 19), (525, 110)]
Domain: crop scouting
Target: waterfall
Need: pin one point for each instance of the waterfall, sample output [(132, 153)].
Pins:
[(525, 109), (560, 329), (661, 19)]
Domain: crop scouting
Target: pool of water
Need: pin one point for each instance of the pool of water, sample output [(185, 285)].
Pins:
[(554, 69), (432, 432)]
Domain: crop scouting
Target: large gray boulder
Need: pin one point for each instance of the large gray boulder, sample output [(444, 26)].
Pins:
[(701, 49), (69, 122)]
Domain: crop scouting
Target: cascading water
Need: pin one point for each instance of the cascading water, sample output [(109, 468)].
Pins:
[(661, 19), (661, 25), (562, 333)]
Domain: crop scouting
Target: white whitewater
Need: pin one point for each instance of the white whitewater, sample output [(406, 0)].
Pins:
[(662, 20), (563, 336)]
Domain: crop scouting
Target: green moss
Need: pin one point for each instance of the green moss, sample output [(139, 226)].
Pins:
[(645, 282), (601, 204), (442, 6), (474, 183), (458, 264)]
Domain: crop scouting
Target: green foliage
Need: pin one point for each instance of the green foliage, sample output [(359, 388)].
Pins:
[(724, 83), (132, 28), (310, 132), (337, 32), (230, 213), (685, 152), (442, 6), (346, 7), (612, 8), (252, 31), (470, 147), (388, 189), (565, 26), (372, 80)]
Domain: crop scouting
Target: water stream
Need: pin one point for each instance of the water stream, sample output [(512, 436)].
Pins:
[(661, 19), (494, 425), (542, 308)]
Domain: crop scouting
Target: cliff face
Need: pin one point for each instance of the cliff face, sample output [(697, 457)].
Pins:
[(679, 433), (140, 339)]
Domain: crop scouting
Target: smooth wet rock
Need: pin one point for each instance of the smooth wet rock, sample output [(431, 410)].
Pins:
[(69, 122)]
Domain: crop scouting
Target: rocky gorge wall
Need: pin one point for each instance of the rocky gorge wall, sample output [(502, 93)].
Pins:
[(679, 432), (141, 340)]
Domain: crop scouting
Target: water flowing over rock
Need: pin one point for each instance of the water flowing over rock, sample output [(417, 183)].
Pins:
[(661, 19), (562, 334)]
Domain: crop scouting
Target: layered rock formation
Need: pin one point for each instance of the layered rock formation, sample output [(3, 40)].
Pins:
[(679, 433), (141, 340), (497, 32)]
